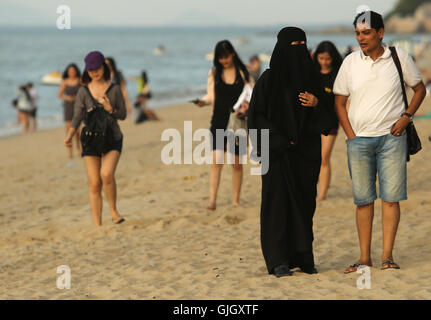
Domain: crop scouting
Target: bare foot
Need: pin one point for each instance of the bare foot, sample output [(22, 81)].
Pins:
[(320, 199), (211, 206), (117, 219), (354, 267), (236, 204)]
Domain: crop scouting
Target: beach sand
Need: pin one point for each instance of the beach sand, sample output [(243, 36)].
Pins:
[(170, 247)]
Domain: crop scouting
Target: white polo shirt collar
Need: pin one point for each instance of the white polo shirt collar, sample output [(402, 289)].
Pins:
[(386, 54)]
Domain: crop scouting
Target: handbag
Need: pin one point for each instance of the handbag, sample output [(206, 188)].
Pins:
[(235, 123), (96, 136), (413, 141)]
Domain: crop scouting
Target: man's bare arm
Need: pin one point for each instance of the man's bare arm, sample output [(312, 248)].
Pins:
[(340, 109)]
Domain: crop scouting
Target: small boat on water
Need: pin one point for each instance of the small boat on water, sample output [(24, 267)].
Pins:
[(52, 78), (209, 56), (159, 51)]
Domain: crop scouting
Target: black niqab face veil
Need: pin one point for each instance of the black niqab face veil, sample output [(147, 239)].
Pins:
[(291, 72)]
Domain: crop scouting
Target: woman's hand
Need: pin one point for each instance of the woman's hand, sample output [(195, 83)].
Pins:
[(68, 141), (199, 103), (106, 103), (243, 109), (69, 136), (308, 99)]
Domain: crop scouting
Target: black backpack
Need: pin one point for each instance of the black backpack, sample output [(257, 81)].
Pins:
[(96, 136)]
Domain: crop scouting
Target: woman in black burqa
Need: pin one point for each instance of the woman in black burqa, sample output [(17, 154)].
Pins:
[(287, 101)]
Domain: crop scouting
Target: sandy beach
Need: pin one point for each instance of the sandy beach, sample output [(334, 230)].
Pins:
[(170, 247)]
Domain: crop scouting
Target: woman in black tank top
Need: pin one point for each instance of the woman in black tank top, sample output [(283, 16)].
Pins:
[(226, 81)]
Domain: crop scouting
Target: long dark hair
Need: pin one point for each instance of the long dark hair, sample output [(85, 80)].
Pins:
[(331, 49), (86, 79), (71, 65), (222, 49), (117, 74), (144, 76)]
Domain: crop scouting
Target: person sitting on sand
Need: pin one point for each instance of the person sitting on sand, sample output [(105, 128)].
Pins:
[(99, 92), (142, 112)]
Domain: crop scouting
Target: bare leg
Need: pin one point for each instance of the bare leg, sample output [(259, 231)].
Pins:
[(364, 223), (325, 169), (109, 164), (236, 180), (34, 121), (69, 149), (25, 122), (390, 221), (214, 180), (92, 165)]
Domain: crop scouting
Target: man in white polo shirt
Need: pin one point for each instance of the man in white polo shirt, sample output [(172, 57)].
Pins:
[(375, 126)]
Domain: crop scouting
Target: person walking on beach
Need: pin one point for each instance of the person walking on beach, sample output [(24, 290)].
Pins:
[(287, 101), (254, 67), (118, 78), (225, 84), (34, 96), (327, 61), (69, 87), (99, 101), (25, 107), (375, 128)]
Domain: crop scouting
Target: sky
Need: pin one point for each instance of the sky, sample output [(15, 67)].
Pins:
[(186, 12)]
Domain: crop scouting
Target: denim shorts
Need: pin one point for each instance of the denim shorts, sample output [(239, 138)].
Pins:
[(384, 156)]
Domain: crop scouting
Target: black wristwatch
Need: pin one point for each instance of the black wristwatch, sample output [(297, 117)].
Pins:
[(408, 114)]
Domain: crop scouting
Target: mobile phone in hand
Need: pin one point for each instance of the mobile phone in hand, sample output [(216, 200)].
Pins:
[(195, 101)]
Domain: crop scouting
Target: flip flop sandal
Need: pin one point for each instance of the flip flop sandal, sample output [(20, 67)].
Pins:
[(389, 264), (119, 221), (353, 268)]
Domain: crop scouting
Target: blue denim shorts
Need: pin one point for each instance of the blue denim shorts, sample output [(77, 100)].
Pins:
[(385, 157)]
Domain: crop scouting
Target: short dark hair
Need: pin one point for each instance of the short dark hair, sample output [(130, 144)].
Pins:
[(376, 20), (86, 79)]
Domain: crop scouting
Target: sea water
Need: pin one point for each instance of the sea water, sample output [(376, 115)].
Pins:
[(27, 54)]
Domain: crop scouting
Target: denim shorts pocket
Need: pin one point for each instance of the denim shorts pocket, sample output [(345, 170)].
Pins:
[(350, 140)]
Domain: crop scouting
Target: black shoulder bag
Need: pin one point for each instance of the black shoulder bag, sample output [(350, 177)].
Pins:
[(96, 136), (413, 141)]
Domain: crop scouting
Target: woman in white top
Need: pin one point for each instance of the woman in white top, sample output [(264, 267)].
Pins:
[(226, 81)]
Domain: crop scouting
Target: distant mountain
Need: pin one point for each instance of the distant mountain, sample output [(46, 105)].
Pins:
[(406, 7), (412, 16)]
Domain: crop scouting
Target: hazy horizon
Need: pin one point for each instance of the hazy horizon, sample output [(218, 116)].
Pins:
[(187, 13)]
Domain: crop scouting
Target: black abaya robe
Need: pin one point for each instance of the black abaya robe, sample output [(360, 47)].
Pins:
[(289, 186)]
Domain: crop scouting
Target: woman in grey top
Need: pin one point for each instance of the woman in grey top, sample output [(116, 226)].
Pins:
[(100, 166)]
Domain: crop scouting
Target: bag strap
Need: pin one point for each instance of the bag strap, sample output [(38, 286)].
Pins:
[(400, 73), (97, 103)]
